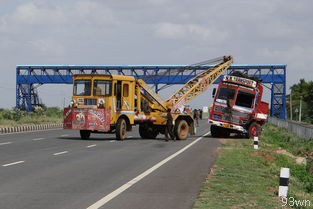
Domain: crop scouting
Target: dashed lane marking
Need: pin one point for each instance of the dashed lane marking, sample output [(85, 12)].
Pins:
[(38, 139), (121, 189), (5, 143), (93, 145), (60, 153), (14, 163)]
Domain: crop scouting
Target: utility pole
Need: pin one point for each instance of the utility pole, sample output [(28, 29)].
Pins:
[(300, 109), (296, 111), (291, 105)]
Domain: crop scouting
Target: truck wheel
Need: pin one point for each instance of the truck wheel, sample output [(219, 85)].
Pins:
[(84, 134), (225, 132), (147, 131), (254, 130), (181, 130), (214, 131), (121, 127)]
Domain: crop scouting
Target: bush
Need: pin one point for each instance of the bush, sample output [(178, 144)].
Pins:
[(40, 115), (7, 114), (18, 114), (54, 112), (39, 110)]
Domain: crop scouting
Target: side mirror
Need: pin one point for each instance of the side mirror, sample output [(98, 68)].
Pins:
[(214, 92)]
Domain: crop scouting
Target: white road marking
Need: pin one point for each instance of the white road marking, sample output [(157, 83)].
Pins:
[(93, 145), (64, 135), (121, 189), (9, 164), (113, 141), (60, 153), (5, 143), (38, 139)]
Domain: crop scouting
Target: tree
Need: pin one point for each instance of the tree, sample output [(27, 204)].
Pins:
[(302, 91)]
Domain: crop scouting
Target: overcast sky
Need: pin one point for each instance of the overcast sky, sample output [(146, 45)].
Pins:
[(151, 32)]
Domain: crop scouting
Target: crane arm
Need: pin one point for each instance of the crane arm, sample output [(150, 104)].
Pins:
[(198, 84), (152, 93)]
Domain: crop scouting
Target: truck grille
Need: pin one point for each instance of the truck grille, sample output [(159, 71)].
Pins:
[(232, 116), (90, 101)]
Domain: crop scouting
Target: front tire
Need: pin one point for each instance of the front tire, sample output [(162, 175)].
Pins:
[(84, 134), (121, 128), (217, 132), (214, 131), (147, 131), (181, 130), (254, 130)]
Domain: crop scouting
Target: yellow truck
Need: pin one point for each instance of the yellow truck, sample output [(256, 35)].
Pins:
[(115, 103)]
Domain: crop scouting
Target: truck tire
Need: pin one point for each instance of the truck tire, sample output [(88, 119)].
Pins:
[(147, 131), (214, 131), (217, 132), (121, 128), (181, 129), (254, 130), (225, 132), (84, 134)]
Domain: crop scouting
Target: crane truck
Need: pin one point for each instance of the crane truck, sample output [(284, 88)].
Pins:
[(238, 106), (115, 103)]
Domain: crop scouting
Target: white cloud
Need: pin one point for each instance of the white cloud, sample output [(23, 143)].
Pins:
[(33, 13), (46, 15), (155, 32), (169, 30), (47, 45), (189, 31)]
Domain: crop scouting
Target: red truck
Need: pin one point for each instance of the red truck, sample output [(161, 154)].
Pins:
[(238, 106)]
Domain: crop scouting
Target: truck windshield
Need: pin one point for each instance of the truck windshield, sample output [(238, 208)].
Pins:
[(226, 93), (82, 87), (244, 99), (102, 88)]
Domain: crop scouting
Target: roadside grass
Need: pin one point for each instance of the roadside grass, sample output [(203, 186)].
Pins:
[(17, 117), (245, 178)]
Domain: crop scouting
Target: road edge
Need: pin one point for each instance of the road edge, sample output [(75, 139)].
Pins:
[(28, 128)]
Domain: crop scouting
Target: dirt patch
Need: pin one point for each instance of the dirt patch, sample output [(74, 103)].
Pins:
[(264, 156), (272, 189), (226, 141), (284, 152)]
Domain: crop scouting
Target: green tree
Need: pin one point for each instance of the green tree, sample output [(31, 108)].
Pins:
[(302, 91)]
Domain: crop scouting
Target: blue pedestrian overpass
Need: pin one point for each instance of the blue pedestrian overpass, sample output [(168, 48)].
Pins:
[(30, 77)]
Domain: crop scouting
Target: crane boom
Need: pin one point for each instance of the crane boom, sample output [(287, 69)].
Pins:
[(152, 93), (198, 84)]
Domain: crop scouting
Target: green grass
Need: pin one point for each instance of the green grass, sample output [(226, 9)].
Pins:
[(245, 178), (17, 117)]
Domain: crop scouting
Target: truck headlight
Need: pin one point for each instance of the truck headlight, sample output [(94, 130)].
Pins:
[(101, 102), (72, 103)]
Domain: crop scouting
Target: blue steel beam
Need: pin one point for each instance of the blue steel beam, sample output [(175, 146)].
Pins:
[(29, 75)]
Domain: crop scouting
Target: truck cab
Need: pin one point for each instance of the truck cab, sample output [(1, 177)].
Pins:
[(237, 107), (101, 103)]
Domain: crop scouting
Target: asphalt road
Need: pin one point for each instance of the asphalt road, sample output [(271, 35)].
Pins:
[(56, 169)]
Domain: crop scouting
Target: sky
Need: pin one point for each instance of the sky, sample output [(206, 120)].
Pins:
[(102, 32)]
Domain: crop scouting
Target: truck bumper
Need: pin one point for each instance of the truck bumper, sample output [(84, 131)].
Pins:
[(227, 125), (86, 119)]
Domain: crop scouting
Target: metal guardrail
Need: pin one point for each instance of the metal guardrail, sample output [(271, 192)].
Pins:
[(303, 131)]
